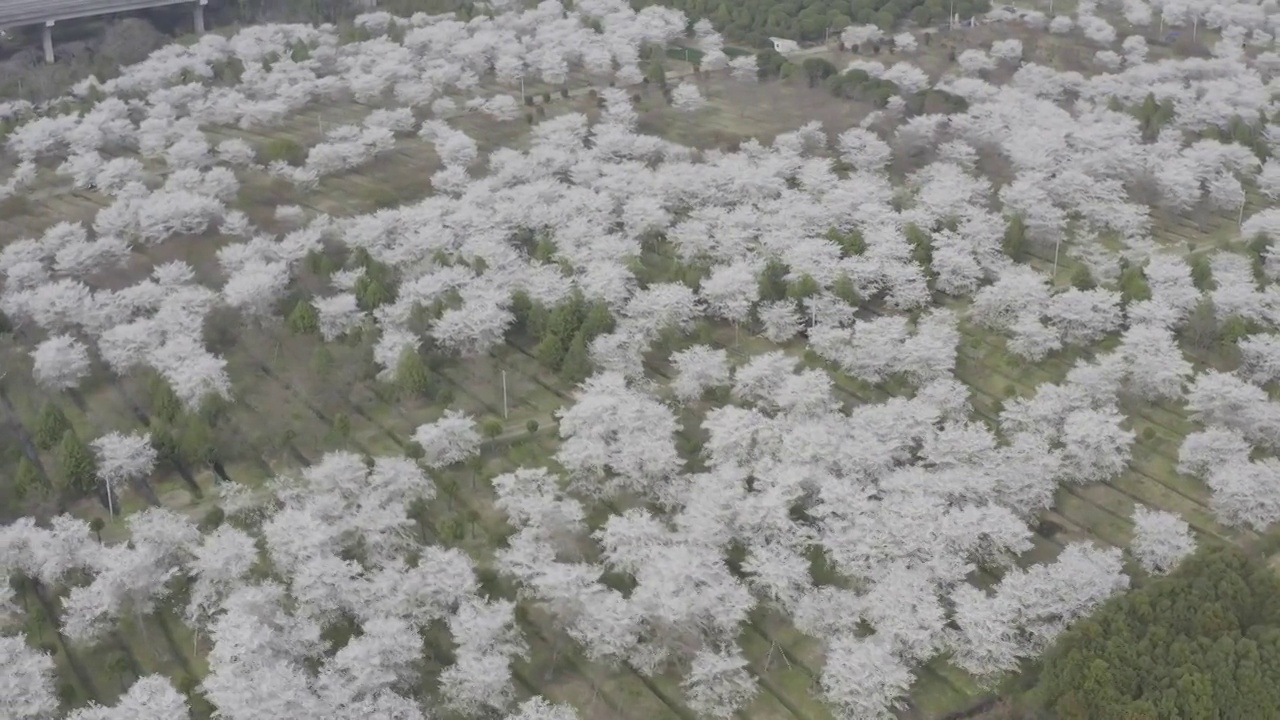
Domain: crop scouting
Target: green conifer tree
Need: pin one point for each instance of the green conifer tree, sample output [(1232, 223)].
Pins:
[(51, 425), (76, 463), (412, 375), (304, 320), (577, 361), (27, 482)]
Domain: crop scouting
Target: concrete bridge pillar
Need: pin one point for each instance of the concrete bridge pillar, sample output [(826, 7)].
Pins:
[(198, 13), (48, 42)]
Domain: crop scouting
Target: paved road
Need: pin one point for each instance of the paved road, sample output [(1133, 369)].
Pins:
[(16, 13)]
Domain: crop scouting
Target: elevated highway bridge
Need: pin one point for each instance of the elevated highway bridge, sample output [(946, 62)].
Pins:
[(48, 13)]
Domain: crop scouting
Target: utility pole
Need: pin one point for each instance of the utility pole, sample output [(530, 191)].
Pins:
[(1056, 244), (504, 395)]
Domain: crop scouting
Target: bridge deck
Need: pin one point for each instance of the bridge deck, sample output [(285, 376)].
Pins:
[(16, 13)]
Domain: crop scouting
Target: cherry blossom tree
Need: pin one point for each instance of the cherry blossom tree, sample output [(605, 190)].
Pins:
[(855, 35), (1156, 367), (687, 98), (616, 437), (974, 62), (1160, 539), (780, 319), (1095, 446), (1245, 493), (151, 697), (60, 362), (861, 678), (487, 639), (863, 149), (744, 68), (698, 368), (26, 680), (1260, 358), (451, 439), (730, 291), (1009, 50), (218, 564), (718, 684), (537, 708), (123, 458)]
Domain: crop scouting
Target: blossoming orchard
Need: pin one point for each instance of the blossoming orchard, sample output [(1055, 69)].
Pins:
[(552, 361)]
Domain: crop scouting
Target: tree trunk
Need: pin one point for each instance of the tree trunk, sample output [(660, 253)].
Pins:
[(138, 413), (78, 400), (187, 477), (296, 454), (174, 651), (220, 471), (77, 668), (29, 448), (143, 487)]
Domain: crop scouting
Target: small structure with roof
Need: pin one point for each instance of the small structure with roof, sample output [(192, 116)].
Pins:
[(783, 46)]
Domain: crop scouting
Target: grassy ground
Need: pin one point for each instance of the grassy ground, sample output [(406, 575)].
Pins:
[(286, 408)]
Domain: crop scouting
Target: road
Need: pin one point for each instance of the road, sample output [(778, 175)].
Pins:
[(17, 13)]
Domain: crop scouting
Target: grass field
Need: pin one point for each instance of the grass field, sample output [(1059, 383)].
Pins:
[(286, 407)]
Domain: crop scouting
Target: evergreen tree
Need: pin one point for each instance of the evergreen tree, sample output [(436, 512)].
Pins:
[(655, 73), (577, 361), (322, 362), (196, 444), (563, 323), (27, 482), (1202, 642), (1015, 238), (1082, 279), (163, 440), (491, 428), (1201, 273), (522, 311), (1201, 330), (1133, 285), (817, 69), (851, 243), (165, 403), (923, 247), (214, 409), (844, 289), (51, 425), (342, 425), (773, 281), (412, 375), (76, 463), (372, 293), (304, 320), (597, 321), (319, 263), (805, 287)]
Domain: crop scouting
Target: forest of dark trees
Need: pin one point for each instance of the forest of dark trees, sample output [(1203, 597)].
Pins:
[(753, 22), (1203, 642)]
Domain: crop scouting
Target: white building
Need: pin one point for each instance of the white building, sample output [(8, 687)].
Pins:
[(784, 46)]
